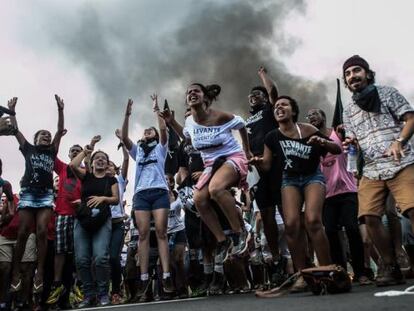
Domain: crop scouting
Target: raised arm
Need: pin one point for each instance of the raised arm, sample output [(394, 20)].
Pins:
[(76, 162), (125, 126), (125, 162), (19, 136), (61, 123), (169, 117), (91, 146), (269, 84), (162, 127)]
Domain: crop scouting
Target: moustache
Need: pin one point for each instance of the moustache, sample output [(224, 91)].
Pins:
[(356, 79)]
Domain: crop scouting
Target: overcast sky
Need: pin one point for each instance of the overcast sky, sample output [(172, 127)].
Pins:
[(96, 54)]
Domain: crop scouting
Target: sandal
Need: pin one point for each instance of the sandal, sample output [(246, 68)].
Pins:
[(14, 288)]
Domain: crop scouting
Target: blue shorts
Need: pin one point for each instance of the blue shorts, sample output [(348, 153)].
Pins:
[(36, 198), (151, 199), (301, 181)]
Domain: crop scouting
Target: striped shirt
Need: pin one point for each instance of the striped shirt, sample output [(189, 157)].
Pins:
[(377, 131)]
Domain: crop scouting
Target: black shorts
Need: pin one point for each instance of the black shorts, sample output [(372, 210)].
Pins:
[(178, 237), (267, 191)]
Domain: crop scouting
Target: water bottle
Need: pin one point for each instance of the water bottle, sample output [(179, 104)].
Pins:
[(352, 159)]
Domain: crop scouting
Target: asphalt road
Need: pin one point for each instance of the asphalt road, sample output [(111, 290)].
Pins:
[(361, 298)]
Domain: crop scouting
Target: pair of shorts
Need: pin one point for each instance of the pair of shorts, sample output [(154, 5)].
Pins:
[(265, 195), (7, 247), (151, 199), (64, 234), (237, 160), (302, 181), (36, 198), (372, 194), (178, 237)]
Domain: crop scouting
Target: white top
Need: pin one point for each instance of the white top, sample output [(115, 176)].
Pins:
[(149, 172), (175, 219), (214, 141), (117, 211)]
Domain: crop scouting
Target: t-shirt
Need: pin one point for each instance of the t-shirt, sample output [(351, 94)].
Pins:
[(39, 164), (190, 158), (149, 172), (377, 131), (69, 189), (333, 166), (299, 158), (214, 141), (94, 186), (117, 211), (258, 125), (175, 219)]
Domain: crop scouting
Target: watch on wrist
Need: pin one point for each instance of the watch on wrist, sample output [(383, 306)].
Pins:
[(401, 140)]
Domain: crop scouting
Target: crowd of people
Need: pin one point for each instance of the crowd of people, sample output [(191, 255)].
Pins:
[(212, 214)]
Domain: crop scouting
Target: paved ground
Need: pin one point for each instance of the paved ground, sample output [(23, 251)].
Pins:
[(361, 298)]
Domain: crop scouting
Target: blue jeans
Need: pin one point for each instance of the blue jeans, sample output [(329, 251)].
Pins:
[(117, 241), (88, 246)]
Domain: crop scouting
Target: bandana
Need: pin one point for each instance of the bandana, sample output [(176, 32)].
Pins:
[(368, 99)]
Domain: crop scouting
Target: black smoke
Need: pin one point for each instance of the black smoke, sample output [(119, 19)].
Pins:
[(211, 42)]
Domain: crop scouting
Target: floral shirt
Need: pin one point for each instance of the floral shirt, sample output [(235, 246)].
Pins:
[(377, 131)]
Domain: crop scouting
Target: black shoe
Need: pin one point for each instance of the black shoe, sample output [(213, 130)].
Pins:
[(167, 285), (217, 285), (279, 272), (223, 250)]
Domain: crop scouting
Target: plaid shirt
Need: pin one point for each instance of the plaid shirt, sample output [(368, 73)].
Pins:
[(377, 131)]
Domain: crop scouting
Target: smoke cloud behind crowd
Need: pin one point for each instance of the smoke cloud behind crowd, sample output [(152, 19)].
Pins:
[(133, 50)]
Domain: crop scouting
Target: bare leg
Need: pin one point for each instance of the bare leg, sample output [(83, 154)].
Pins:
[(314, 198), (161, 219), (223, 179), (381, 238), (207, 213), (27, 218), (143, 219), (42, 222), (292, 202)]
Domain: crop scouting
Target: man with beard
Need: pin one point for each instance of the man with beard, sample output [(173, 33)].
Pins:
[(379, 122), (341, 203), (266, 193)]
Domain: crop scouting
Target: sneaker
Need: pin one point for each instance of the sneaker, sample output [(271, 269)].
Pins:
[(88, 302), (241, 246), (77, 294), (116, 299), (403, 261), (223, 251), (142, 289), (364, 280), (103, 301), (55, 293), (167, 285), (217, 284), (299, 286), (391, 275), (202, 290)]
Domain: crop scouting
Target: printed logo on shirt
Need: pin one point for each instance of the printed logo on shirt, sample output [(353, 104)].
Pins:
[(296, 149)]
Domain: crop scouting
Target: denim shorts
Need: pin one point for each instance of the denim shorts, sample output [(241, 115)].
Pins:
[(36, 198), (151, 199), (301, 181)]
